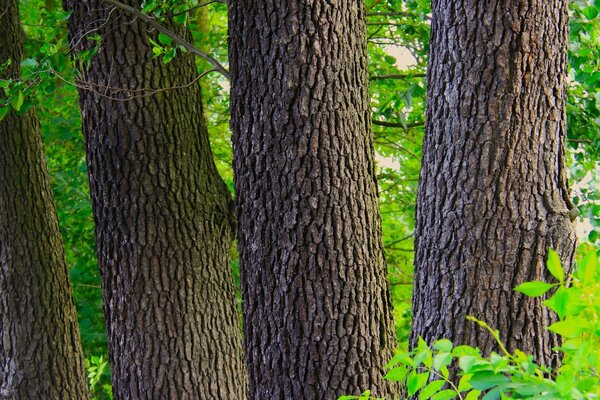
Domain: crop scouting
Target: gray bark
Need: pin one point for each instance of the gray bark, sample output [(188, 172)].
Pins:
[(318, 315), (493, 195), (163, 223)]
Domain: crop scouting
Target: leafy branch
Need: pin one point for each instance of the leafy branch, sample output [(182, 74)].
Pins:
[(176, 38)]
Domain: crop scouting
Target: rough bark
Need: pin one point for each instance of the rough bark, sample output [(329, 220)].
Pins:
[(162, 213), (40, 350), (493, 195), (318, 315)]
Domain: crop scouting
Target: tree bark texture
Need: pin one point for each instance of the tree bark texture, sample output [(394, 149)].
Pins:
[(493, 195), (40, 349), (163, 216), (317, 309)]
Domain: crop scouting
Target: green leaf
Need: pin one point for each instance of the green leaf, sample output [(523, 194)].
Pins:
[(590, 12), (464, 384), (17, 101), (487, 379), (554, 266), (397, 374), (569, 328), (416, 381), (3, 112), (559, 302), (29, 63), (403, 358), (467, 362), (473, 395), (165, 39), (431, 389), (444, 395), (534, 289), (588, 268), (443, 345), (441, 360), (464, 350)]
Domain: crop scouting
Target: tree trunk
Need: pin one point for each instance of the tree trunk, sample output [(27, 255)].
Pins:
[(318, 315), (163, 223), (493, 195), (40, 350)]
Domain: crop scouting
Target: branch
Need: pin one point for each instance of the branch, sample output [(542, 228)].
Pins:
[(385, 24), (395, 14), (199, 6), (133, 94), (398, 124), (390, 14), (397, 76), (399, 240), (579, 141), (176, 38)]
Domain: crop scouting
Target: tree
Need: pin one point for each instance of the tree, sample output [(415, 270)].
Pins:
[(162, 212), (318, 316), (493, 194), (40, 350)]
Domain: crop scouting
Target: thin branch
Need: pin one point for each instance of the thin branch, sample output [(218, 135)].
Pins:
[(579, 141), (399, 240), (401, 284), (95, 87), (398, 124), (400, 249), (399, 147), (395, 14), (199, 6), (397, 76), (176, 38), (385, 24), (89, 286), (389, 14)]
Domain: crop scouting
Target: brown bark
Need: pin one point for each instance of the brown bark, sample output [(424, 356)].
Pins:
[(493, 195), (40, 350), (318, 315), (162, 217)]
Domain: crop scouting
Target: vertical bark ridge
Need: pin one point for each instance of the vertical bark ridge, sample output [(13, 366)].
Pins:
[(40, 349), (318, 315), (162, 212), (493, 194)]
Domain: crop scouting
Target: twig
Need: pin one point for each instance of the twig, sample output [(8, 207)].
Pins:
[(579, 141), (149, 92), (400, 240), (398, 124), (397, 76), (199, 6)]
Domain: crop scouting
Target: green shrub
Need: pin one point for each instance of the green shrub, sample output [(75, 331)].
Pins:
[(425, 373)]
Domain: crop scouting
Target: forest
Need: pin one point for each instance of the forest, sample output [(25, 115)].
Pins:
[(299, 199)]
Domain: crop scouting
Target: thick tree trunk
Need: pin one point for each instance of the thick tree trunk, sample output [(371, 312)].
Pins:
[(318, 315), (162, 214), (40, 350), (493, 195)]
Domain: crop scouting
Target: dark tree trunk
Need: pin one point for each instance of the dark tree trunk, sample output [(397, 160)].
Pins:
[(493, 195), (318, 315), (40, 350), (163, 225)]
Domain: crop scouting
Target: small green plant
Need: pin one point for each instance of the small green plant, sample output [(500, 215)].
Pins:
[(425, 372), (98, 372)]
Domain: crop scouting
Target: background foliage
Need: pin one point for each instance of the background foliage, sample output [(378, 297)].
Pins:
[(398, 41)]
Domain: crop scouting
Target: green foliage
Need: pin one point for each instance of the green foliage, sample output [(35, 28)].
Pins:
[(446, 371), (98, 371), (49, 83)]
